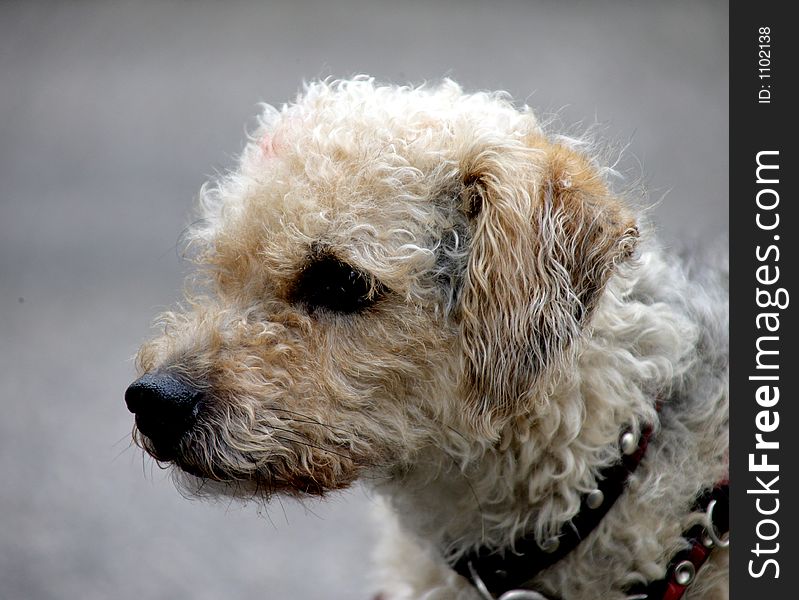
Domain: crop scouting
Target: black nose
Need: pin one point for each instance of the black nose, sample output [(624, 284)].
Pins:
[(165, 409)]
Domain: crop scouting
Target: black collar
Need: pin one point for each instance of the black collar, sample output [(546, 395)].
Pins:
[(499, 572)]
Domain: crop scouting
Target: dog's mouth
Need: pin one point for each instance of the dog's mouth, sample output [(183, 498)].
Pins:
[(287, 452), (253, 475)]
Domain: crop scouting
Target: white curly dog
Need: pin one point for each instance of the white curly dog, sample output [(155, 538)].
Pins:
[(426, 290)]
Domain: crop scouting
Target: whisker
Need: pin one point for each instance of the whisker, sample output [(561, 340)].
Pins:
[(310, 445), (269, 517), (283, 508), (127, 437), (309, 419), (308, 510), (121, 452)]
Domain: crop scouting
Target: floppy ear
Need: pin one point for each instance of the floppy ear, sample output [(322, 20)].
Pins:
[(546, 235)]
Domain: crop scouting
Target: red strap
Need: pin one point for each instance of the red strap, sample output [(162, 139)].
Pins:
[(698, 555)]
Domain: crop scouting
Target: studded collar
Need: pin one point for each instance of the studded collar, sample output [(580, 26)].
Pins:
[(498, 574), (702, 538)]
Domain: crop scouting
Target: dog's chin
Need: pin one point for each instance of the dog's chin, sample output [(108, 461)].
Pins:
[(207, 480), (195, 480), (196, 485), (228, 473), (203, 482)]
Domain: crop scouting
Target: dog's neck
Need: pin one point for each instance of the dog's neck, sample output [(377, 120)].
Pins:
[(460, 495)]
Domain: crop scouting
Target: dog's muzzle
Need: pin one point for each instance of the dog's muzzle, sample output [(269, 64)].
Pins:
[(165, 409)]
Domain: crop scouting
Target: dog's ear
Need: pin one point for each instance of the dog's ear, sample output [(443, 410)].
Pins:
[(546, 233)]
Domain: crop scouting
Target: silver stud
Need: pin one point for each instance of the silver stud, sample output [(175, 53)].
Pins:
[(684, 572), (550, 545), (594, 499), (629, 443)]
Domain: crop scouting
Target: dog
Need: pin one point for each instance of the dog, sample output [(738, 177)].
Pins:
[(425, 290)]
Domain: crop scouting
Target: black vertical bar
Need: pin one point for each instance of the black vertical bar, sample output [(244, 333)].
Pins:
[(763, 260)]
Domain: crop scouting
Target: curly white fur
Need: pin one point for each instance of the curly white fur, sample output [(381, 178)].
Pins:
[(531, 317)]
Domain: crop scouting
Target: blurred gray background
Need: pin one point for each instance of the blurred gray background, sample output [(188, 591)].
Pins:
[(111, 117)]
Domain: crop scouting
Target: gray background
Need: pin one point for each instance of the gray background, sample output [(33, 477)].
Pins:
[(111, 117)]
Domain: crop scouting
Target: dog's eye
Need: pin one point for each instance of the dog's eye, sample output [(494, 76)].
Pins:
[(329, 283)]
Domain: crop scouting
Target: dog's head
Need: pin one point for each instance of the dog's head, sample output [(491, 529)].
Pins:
[(386, 265)]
